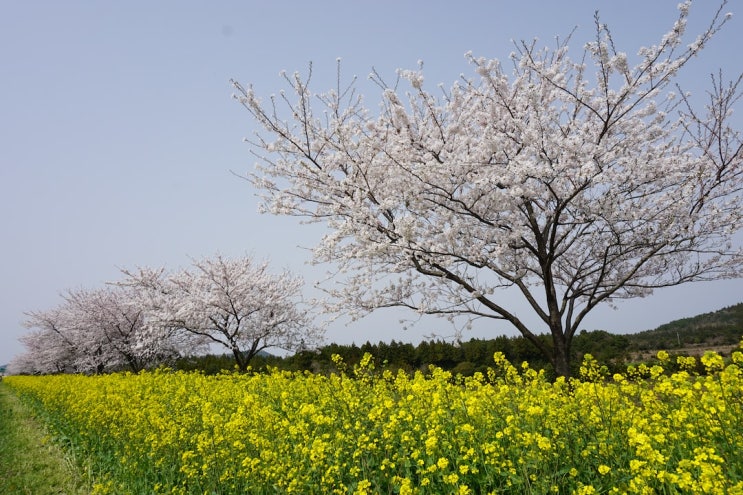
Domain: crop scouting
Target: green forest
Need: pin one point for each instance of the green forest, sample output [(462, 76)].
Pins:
[(720, 331)]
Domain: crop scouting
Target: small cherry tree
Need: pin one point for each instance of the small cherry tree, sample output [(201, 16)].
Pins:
[(574, 182), (235, 303)]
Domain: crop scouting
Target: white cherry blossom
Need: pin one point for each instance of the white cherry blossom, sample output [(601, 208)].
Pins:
[(576, 182)]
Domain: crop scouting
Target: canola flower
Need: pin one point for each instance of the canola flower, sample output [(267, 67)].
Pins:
[(364, 431)]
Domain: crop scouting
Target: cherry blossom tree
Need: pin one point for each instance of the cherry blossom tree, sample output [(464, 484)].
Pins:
[(235, 303), (574, 182), (91, 331), (47, 352)]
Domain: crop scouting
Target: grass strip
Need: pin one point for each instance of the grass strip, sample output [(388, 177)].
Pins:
[(30, 463)]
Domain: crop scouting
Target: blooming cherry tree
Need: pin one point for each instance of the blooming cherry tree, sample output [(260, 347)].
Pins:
[(575, 182), (91, 331), (47, 352), (235, 303)]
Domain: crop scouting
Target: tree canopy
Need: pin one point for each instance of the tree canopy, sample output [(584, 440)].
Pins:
[(234, 303)]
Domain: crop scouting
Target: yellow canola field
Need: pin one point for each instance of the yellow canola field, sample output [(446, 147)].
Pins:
[(365, 431)]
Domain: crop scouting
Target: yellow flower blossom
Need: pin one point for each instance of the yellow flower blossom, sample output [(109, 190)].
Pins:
[(163, 432)]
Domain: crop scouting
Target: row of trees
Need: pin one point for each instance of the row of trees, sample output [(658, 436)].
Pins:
[(615, 352), (459, 357), (152, 317), (92, 330)]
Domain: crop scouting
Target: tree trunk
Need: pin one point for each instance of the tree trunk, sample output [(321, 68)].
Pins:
[(560, 354), (240, 359)]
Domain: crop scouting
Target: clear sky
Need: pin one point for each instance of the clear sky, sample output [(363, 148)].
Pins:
[(119, 137)]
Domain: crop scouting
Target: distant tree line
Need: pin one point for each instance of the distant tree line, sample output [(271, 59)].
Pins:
[(464, 357), (719, 328)]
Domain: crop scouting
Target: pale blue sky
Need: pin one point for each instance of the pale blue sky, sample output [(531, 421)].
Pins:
[(118, 133)]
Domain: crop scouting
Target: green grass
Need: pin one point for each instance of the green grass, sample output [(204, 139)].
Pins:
[(30, 463)]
